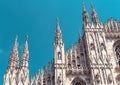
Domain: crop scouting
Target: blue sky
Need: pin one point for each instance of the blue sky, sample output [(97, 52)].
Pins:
[(37, 18)]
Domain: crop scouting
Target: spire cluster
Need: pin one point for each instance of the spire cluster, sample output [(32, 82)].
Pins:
[(86, 21), (15, 72), (14, 54)]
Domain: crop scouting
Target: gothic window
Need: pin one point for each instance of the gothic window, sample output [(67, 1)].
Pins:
[(59, 56), (78, 81), (69, 62), (117, 50)]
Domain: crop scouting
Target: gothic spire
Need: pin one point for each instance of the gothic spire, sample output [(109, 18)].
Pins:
[(24, 63), (14, 55), (94, 16), (25, 54), (85, 16), (58, 35)]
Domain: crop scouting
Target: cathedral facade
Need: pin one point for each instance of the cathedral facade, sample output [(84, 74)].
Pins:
[(93, 60)]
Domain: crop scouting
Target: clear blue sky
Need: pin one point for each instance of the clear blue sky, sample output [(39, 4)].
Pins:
[(37, 18)]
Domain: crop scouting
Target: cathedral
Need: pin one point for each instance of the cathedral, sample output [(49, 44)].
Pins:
[(93, 60)]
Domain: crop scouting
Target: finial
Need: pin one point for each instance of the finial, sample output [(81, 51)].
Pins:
[(26, 37)]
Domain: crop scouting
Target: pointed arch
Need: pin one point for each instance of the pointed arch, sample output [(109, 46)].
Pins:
[(78, 81)]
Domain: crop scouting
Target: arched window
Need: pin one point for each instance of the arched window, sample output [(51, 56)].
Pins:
[(59, 56), (77, 83), (117, 51)]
